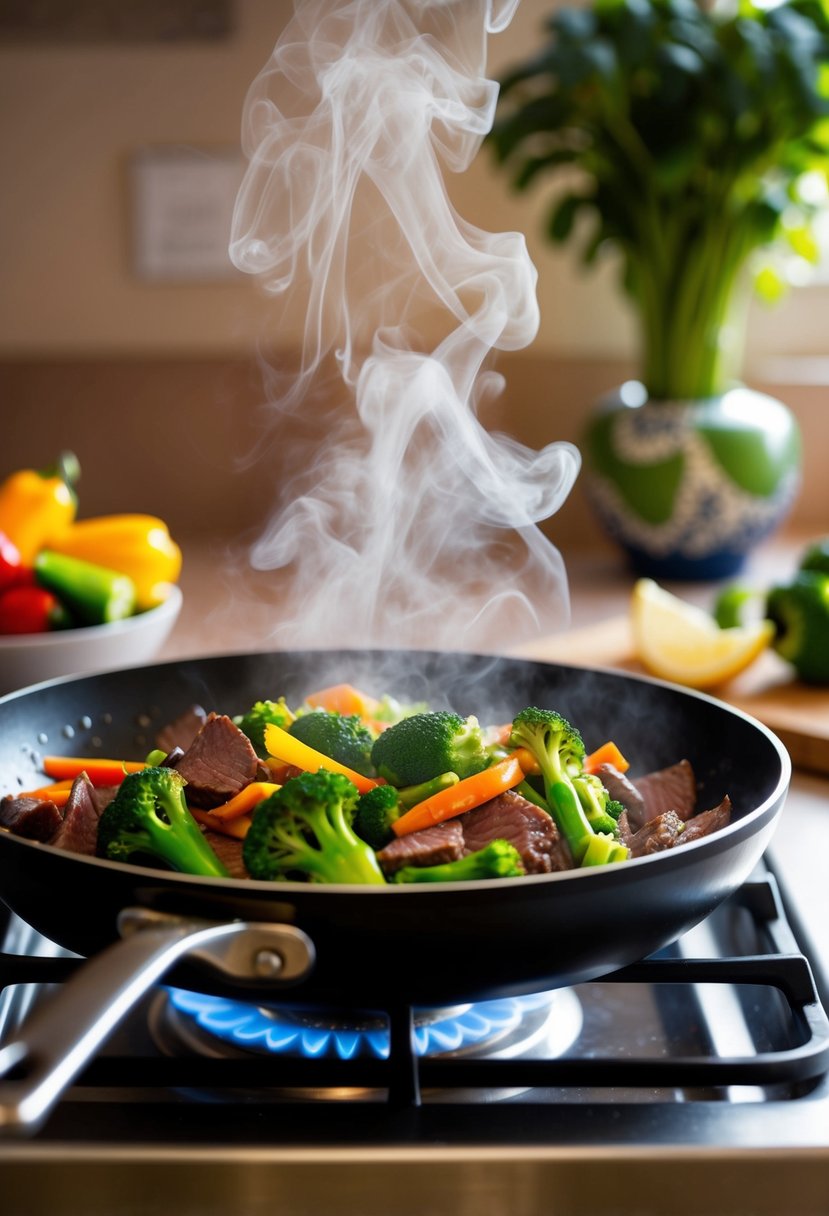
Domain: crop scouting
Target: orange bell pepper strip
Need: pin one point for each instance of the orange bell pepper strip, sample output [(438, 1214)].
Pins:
[(99, 772), (243, 802), (608, 753), (293, 751), (237, 828), (467, 794)]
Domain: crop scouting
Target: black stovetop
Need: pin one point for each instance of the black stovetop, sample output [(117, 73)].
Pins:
[(719, 1040)]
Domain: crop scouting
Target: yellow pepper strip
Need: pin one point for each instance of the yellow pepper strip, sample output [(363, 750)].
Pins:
[(245, 800), (35, 507), (293, 751), (238, 828), (139, 546)]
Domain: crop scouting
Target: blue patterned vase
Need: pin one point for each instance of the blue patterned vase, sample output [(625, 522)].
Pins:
[(688, 488)]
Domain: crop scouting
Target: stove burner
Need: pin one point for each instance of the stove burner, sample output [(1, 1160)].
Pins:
[(209, 1025)]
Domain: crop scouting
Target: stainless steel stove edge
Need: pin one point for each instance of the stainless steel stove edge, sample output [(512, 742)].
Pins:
[(97, 1180)]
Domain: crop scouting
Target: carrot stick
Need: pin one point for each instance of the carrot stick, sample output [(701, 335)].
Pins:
[(469, 793), (344, 699), (245, 800), (608, 753), (58, 793), (293, 751), (46, 791), (238, 828), (99, 772)]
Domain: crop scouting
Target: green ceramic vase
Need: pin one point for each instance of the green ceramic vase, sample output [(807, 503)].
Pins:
[(689, 488)]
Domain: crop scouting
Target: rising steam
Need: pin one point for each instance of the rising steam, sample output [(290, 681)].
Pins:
[(408, 524)]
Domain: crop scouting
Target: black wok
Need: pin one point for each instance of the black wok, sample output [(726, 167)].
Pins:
[(379, 948)]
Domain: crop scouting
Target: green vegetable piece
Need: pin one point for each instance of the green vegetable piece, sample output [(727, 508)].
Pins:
[(498, 859), (93, 594), (423, 746), (376, 811), (389, 709), (594, 799), (149, 818), (603, 850), (816, 557), (410, 795), (303, 831), (800, 611), (731, 603), (528, 791), (343, 737), (262, 714), (558, 749)]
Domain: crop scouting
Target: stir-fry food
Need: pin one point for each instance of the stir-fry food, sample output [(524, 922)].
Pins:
[(349, 788)]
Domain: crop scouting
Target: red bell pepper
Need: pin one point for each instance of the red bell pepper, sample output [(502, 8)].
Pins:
[(30, 609), (12, 570)]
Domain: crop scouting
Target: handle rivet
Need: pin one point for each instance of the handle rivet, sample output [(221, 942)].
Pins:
[(268, 963)]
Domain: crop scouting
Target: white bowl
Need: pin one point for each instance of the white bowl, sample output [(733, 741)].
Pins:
[(29, 658)]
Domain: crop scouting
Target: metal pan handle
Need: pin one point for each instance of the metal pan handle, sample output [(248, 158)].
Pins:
[(64, 1033)]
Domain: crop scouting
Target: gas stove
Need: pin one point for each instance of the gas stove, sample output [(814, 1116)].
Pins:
[(694, 1081)]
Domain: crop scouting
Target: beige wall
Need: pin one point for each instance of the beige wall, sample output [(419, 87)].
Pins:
[(72, 116), (133, 375)]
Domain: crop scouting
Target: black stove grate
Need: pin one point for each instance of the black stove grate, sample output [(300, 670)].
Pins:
[(780, 966)]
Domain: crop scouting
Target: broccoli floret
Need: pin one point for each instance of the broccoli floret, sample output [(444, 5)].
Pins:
[(615, 808), (498, 859), (595, 800), (558, 750), (343, 737), (260, 715), (304, 831), (376, 812), (149, 816), (556, 746), (425, 745)]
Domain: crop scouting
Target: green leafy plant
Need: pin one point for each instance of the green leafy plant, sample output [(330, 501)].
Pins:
[(687, 140)]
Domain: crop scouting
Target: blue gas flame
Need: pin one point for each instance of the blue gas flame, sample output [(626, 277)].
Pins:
[(250, 1027)]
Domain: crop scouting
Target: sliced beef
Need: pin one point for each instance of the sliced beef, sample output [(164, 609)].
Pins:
[(428, 847), (658, 834), (182, 730), (229, 851), (624, 791), (218, 763), (34, 818), (707, 822), (78, 832), (525, 826), (668, 789), (103, 795)]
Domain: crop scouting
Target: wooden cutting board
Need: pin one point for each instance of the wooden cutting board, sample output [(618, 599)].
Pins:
[(797, 713)]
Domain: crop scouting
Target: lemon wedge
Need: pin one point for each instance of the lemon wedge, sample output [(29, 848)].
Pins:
[(679, 642)]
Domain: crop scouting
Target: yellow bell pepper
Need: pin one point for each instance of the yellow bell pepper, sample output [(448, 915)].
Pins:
[(37, 505), (137, 545)]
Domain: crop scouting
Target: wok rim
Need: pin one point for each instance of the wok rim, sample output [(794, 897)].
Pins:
[(719, 841)]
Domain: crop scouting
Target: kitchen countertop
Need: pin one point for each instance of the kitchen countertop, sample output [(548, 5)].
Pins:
[(228, 609)]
